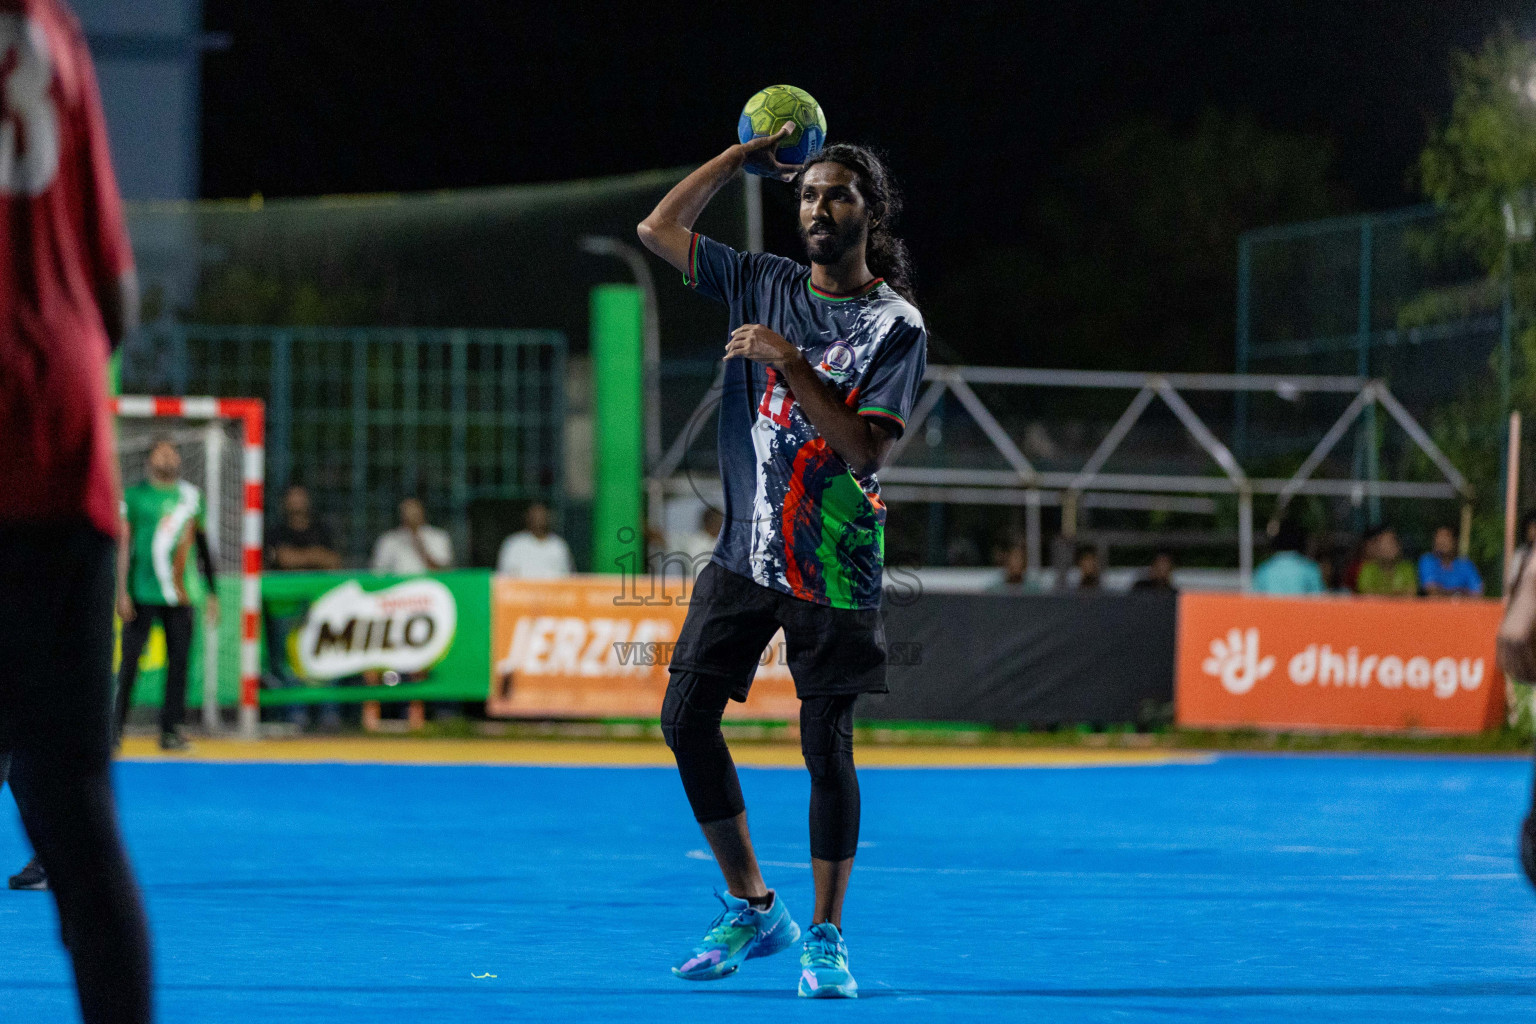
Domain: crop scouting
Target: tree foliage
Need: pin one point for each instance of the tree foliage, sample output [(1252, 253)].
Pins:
[(1129, 260), (1484, 155), (1481, 158)]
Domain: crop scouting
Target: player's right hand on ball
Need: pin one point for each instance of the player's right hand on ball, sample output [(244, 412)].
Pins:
[(125, 609), (762, 156)]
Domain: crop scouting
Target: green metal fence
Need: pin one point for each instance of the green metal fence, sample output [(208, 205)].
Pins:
[(1379, 295), (366, 416)]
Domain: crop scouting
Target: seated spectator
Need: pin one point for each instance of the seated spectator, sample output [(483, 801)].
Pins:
[(1087, 568), (413, 547), (699, 544), (1288, 572), (1334, 565), (962, 550), (1349, 579), (535, 553), (1385, 572), (1015, 571), (1443, 574), (1159, 574), (301, 542)]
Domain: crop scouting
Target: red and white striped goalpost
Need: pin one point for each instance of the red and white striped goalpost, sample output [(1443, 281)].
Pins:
[(251, 414)]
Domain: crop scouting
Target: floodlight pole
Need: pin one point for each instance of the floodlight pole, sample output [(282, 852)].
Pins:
[(1244, 291), (1032, 545), (753, 193), (1368, 449), (1506, 325), (1511, 496), (605, 245)]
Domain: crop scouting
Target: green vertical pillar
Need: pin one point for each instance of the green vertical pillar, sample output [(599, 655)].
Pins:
[(618, 446)]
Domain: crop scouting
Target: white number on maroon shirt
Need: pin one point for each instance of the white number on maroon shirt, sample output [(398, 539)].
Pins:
[(29, 126)]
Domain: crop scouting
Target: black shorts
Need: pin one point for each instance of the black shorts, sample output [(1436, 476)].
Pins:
[(56, 586), (731, 619)]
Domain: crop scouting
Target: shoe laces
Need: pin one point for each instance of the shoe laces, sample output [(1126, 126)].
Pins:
[(726, 920), (823, 951)]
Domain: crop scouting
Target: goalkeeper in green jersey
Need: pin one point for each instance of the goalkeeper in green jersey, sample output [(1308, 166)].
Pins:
[(163, 526)]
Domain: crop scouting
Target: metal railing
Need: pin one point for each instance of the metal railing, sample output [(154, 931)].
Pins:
[(1090, 486)]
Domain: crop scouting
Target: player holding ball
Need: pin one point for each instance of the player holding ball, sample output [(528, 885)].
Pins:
[(822, 368)]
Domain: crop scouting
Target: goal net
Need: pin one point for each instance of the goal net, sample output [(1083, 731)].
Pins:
[(220, 443)]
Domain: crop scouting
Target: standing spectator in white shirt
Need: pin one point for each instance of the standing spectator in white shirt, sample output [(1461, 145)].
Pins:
[(534, 553), (413, 547), (699, 544)]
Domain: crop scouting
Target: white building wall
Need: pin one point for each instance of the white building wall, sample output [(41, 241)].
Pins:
[(148, 56)]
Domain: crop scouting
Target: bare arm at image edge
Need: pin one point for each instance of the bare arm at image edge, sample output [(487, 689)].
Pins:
[(1517, 633), (120, 306), (125, 609)]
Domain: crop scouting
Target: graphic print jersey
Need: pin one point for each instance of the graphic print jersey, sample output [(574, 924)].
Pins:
[(797, 519), (161, 521)]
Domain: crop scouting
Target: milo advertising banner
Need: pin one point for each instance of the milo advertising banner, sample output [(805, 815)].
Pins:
[(352, 637)]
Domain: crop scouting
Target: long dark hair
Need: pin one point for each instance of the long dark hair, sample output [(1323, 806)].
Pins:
[(886, 254)]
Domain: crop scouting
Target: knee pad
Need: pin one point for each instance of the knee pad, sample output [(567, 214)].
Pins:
[(690, 721), (826, 735), (674, 718), (829, 768), (684, 725)]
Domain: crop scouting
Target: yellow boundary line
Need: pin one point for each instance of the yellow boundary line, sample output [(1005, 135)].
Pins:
[(361, 750)]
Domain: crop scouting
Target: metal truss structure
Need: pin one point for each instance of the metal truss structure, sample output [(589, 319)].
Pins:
[(1090, 486)]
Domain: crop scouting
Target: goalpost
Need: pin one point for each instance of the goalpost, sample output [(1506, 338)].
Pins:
[(221, 445)]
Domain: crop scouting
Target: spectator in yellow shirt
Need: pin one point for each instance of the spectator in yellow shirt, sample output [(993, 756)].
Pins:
[(1386, 573)]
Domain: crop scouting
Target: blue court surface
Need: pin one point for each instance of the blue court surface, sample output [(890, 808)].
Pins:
[(1247, 888)]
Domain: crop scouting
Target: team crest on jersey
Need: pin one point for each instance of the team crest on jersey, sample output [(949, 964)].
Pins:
[(837, 360)]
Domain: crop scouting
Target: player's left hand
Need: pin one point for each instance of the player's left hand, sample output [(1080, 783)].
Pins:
[(761, 345)]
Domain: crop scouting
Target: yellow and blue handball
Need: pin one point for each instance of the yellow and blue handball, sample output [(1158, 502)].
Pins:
[(777, 105)]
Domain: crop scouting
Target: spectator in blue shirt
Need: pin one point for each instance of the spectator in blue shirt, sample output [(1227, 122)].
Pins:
[(1443, 574), (1288, 571)]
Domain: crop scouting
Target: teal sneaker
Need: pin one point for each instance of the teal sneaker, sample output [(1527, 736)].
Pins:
[(740, 933), (824, 965)]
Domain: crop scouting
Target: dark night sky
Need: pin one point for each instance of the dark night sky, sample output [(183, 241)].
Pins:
[(975, 102)]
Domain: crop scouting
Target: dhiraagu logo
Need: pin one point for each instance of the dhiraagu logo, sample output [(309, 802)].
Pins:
[(1235, 661), (404, 628)]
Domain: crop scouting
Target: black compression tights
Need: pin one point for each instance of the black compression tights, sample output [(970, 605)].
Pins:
[(690, 720), (56, 586)]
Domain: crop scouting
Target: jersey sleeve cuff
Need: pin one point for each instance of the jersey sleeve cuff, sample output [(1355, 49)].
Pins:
[(691, 275), (881, 413)]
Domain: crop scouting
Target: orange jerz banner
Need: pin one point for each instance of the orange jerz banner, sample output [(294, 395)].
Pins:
[(1357, 664), (590, 647)]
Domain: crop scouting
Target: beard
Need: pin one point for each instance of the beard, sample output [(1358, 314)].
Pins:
[(832, 247)]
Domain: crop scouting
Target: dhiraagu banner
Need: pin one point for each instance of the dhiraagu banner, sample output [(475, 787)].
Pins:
[(352, 637)]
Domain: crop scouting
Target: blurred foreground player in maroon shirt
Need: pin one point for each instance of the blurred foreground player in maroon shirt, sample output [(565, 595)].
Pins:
[(67, 295)]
